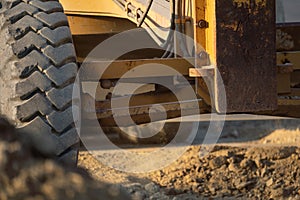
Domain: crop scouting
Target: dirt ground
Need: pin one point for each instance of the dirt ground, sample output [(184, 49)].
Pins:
[(243, 165), (264, 168), (29, 172)]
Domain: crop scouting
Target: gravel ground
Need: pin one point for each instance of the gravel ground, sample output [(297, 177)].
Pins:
[(268, 168)]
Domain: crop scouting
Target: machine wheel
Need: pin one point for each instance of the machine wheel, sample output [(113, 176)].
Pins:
[(37, 72)]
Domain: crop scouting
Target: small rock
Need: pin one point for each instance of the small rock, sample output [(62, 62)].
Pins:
[(189, 179), (287, 192), (233, 167), (269, 182), (278, 185), (284, 152), (133, 187), (247, 163), (234, 159), (159, 196), (266, 141), (152, 188), (173, 191), (263, 172), (259, 162), (276, 193), (218, 162), (139, 195), (201, 190), (212, 189), (225, 192), (115, 190), (244, 185), (186, 197)]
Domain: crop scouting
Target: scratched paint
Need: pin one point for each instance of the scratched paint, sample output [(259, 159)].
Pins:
[(245, 49)]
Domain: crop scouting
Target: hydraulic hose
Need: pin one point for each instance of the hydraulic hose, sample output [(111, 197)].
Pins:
[(145, 13), (180, 12), (169, 43)]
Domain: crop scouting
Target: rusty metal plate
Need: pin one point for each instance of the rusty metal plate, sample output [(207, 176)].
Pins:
[(245, 54)]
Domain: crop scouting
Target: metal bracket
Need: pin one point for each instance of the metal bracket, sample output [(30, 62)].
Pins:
[(127, 6), (205, 71)]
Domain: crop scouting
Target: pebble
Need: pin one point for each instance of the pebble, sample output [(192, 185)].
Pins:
[(247, 163), (186, 197), (269, 182), (212, 189), (244, 185), (139, 195), (233, 167), (218, 162), (263, 172), (173, 191), (159, 196), (152, 188), (133, 187), (276, 193)]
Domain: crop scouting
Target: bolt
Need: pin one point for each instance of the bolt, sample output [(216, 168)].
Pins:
[(203, 24)]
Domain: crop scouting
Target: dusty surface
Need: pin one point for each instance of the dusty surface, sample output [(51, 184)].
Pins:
[(267, 168), (264, 167), (28, 171)]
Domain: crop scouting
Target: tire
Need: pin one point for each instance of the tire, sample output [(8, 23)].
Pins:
[(37, 72)]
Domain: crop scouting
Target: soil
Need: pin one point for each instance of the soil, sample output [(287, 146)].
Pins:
[(268, 168), (29, 171), (264, 168)]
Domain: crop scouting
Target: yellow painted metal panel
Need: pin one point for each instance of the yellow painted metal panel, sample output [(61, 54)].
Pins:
[(93, 7), (84, 25)]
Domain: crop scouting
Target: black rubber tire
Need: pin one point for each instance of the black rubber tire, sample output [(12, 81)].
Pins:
[(37, 72)]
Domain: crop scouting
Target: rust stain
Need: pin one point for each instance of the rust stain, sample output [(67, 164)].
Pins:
[(250, 3)]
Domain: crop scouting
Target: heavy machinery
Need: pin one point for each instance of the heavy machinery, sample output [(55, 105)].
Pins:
[(42, 46)]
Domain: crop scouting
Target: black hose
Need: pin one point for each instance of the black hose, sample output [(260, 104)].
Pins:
[(145, 13), (171, 32), (168, 44), (181, 29)]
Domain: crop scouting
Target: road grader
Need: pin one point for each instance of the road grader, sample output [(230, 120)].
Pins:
[(44, 43)]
